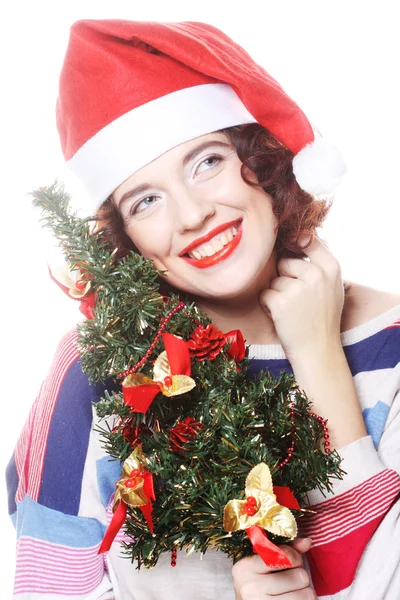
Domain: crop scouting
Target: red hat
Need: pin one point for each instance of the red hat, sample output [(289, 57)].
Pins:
[(130, 91)]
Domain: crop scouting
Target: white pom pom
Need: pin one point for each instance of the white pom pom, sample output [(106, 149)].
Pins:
[(319, 167)]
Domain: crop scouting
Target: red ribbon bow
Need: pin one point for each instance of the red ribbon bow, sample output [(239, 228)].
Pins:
[(139, 390), (79, 291), (128, 496), (237, 349), (271, 554)]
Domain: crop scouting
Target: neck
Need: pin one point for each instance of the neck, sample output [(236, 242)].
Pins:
[(244, 313)]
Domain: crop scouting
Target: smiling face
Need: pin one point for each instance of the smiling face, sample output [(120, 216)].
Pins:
[(191, 212)]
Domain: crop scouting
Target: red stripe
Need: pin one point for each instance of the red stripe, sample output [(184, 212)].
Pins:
[(31, 446), (333, 566), (66, 355), (395, 324), (330, 534), (346, 499), (350, 510), (361, 494), (43, 567), (31, 546)]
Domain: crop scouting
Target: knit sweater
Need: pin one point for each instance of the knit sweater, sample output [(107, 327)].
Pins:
[(61, 484)]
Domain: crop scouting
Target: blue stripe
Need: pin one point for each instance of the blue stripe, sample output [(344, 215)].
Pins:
[(108, 473), (12, 485), (41, 523), (68, 442), (380, 351), (274, 366)]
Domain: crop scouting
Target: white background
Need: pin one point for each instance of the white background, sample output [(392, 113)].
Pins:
[(339, 60)]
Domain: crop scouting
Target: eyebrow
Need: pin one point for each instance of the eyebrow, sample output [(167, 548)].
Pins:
[(186, 159)]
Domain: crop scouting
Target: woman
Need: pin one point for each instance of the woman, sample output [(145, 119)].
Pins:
[(197, 158)]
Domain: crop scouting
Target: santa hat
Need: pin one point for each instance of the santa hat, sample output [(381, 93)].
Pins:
[(130, 91)]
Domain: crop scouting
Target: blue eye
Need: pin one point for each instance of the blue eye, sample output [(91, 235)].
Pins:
[(212, 160), (143, 204), (209, 162)]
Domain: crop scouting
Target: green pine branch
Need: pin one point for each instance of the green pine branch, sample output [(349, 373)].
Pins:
[(245, 420)]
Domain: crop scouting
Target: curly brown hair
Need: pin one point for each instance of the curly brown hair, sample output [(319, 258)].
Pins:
[(297, 212)]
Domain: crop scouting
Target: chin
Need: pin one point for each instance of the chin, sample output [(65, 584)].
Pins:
[(234, 282), (226, 292)]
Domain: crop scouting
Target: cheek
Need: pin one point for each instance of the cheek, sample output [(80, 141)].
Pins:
[(263, 207), (273, 218), (150, 241)]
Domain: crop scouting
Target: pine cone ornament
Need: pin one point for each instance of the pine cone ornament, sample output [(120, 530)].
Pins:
[(134, 434), (206, 342)]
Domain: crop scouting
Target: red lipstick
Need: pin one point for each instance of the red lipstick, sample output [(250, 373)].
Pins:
[(209, 261)]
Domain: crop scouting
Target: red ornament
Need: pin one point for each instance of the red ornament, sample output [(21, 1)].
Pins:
[(132, 482), (251, 501), (183, 432), (206, 342), (168, 381), (250, 510), (133, 434), (135, 473)]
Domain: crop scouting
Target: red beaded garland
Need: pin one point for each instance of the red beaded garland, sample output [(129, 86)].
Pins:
[(290, 450), (173, 557), (153, 344), (251, 501), (322, 422)]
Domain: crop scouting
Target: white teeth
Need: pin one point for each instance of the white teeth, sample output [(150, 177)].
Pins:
[(214, 245), (217, 245)]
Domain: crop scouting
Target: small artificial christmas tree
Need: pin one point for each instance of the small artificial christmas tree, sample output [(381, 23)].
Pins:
[(211, 457)]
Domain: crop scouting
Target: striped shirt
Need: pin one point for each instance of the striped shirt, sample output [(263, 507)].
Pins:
[(61, 484)]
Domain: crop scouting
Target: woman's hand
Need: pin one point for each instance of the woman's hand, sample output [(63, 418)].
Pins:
[(252, 580), (306, 301)]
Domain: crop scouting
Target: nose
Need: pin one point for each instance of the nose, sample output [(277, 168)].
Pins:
[(192, 208)]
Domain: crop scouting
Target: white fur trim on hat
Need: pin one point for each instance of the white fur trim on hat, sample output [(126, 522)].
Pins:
[(319, 167), (138, 137)]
